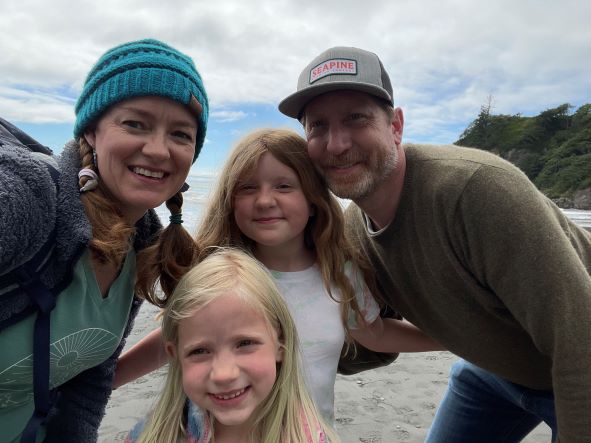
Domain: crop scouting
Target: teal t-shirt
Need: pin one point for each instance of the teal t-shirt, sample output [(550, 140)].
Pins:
[(85, 330)]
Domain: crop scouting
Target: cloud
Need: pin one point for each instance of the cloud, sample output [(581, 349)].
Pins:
[(35, 106), (445, 57), (228, 116)]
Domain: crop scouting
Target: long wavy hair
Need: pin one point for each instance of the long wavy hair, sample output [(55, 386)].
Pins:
[(165, 261), (324, 233), (288, 409)]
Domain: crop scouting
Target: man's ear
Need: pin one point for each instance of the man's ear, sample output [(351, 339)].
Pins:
[(170, 349), (398, 125)]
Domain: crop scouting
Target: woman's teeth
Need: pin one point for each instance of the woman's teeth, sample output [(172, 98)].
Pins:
[(145, 172)]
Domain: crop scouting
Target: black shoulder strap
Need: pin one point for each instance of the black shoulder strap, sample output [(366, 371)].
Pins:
[(44, 301)]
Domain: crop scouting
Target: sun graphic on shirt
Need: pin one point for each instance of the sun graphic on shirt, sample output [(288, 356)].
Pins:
[(68, 357)]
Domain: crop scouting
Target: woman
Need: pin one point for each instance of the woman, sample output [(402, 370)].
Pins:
[(140, 124)]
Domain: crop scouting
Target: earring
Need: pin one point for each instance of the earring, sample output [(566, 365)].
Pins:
[(94, 158), (92, 183)]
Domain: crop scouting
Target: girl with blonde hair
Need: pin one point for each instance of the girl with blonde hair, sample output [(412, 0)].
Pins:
[(234, 372)]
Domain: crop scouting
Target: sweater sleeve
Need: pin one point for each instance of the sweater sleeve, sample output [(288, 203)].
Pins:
[(537, 263), (81, 404)]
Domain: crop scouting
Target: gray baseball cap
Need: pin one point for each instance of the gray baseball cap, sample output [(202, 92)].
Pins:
[(335, 69)]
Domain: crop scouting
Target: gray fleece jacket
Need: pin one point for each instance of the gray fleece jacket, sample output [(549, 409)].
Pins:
[(30, 207)]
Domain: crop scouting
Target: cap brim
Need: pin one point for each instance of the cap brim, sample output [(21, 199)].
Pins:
[(294, 104)]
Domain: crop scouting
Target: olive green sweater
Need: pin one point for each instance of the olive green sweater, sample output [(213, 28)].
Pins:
[(482, 261)]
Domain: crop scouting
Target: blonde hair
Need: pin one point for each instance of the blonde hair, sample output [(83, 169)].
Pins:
[(165, 261), (324, 232), (282, 415)]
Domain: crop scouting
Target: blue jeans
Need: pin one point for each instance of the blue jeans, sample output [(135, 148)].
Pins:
[(479, 406)]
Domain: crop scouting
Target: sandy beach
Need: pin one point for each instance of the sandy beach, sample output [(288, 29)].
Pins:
[(391, 404)]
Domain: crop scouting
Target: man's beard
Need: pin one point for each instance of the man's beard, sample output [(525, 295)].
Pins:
[(358, 186)]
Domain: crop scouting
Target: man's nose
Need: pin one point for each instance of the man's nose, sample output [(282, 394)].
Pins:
[(339, 140)]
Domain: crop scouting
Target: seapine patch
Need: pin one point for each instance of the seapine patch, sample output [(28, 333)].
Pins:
[(332, 67)]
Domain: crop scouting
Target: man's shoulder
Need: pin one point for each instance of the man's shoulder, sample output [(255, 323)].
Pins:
[(451, 164), (452, 153)]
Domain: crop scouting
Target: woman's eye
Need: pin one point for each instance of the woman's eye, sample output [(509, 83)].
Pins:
[(134, 124), (245, 342), (183, 135)]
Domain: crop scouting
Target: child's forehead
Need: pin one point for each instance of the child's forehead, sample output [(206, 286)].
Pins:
[(233, 300), (251, 168), (230, 310)]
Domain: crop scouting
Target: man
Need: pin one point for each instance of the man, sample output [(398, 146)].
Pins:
[(466, 248)]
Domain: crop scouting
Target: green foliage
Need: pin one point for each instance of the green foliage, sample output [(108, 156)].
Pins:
[(552, 148), (568, 167)]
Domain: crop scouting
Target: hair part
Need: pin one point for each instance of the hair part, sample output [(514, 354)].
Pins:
[(279, 418)]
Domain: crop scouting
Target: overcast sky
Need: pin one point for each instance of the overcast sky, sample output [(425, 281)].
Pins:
[(444, 57)]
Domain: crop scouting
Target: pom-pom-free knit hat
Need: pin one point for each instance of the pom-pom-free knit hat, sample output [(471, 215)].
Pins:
[(142, 68)]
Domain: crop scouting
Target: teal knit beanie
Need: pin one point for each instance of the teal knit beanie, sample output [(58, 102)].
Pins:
[(136, 69)]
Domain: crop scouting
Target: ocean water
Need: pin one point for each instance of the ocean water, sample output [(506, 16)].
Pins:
[(202, 184)]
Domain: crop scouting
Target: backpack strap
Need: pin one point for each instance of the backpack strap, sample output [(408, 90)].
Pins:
[(11, 283), (44, 300), (26, 278)]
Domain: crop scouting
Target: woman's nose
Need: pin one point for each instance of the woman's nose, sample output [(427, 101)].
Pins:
[(156, 146)]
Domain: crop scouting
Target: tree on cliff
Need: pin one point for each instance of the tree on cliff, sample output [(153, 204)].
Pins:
[(552, 148)]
